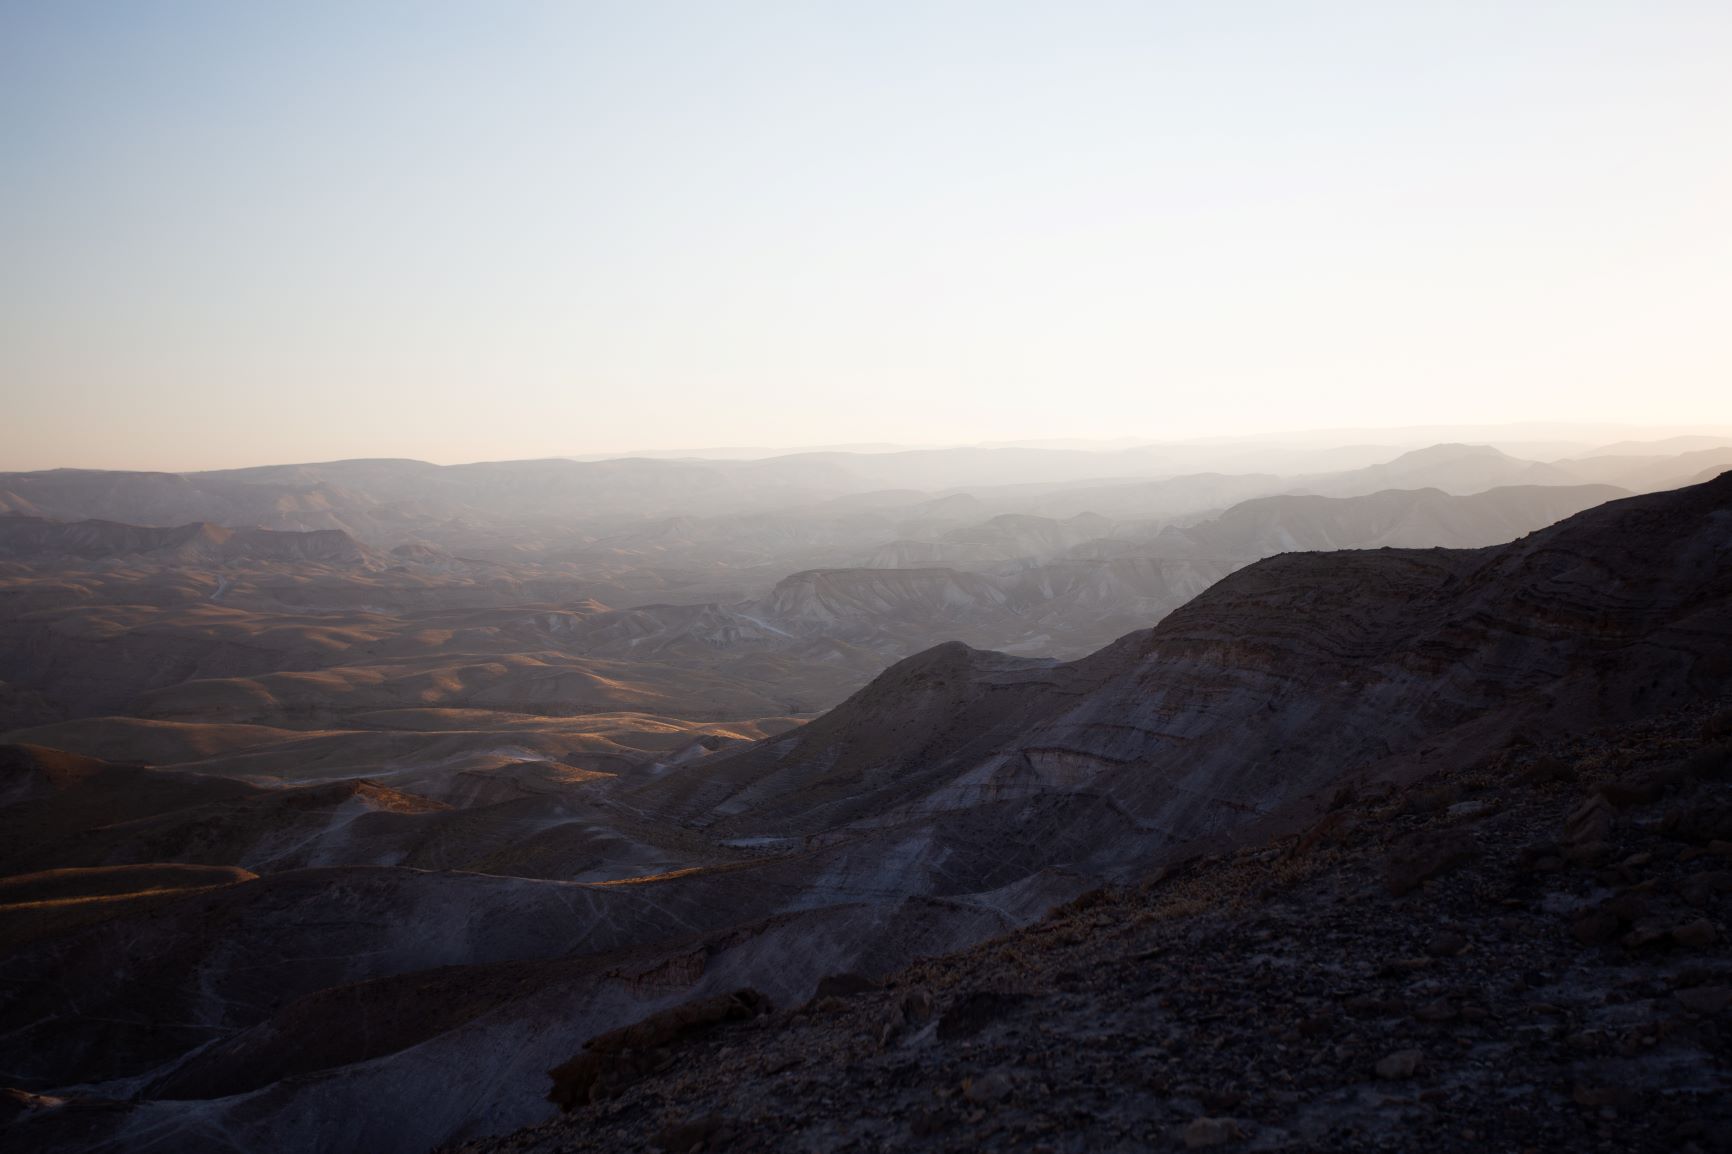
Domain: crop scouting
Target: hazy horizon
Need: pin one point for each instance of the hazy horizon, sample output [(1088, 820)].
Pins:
[(240, 235), (1538, 440)]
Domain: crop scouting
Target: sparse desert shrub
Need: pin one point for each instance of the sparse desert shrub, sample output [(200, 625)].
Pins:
[(611, 1061), (1422, 857), (1083, 901), (1546, 768), (1181, 908), (845, 985), (1426, 801), (975, 1011)]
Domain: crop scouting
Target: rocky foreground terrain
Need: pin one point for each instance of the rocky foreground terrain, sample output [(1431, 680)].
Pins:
[(1528, 952)]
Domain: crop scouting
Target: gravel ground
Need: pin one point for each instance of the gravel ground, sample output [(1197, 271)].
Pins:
[(1528, 954)]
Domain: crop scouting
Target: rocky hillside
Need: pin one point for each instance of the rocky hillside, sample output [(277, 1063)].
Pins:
[(1523, 952)]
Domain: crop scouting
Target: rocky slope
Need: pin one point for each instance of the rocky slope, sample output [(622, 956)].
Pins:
[(1525, 952)]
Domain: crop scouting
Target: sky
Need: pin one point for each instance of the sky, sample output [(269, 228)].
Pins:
[(246, 233)]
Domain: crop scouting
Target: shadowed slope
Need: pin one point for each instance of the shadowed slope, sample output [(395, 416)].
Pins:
[(1274, 682)]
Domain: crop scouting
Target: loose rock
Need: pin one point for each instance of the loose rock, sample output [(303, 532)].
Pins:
[(1401, 1064)]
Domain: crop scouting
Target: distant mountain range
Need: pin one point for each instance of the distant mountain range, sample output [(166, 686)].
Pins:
[(233, 625), (511, 506)]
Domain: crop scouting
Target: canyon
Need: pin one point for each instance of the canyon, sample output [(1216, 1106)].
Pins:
[(340, 803)]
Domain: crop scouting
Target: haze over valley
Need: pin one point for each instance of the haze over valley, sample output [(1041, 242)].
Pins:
[(778, 578), (807, 715)]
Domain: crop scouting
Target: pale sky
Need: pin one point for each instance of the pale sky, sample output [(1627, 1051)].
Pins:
[(239, 233)]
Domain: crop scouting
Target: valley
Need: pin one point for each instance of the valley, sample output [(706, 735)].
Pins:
[(426, 772)]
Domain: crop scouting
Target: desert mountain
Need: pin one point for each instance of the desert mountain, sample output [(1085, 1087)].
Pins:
[(565, 508), (1401, 518), (959, 795), (1040, 585), (1645, 472), (1259, 691), (1459, 469), (256, 626)]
